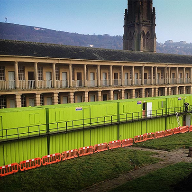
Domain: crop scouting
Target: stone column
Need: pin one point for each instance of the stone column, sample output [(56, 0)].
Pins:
[(165, 91), (71, 97), (122, 77), (70, 75), (169, 75), (177, 90), (177, 75), (132, 93), (86, 97), (85, 76), (142, 75), (54, 75), (151, 75), (184, 90), (111, 76), (184, 74), (165, 74), (122, 94), (36, 75), (111, 95), (143, 92), (190, 90), (98, 76), (152, 92), (133, 76), (99, 96), (16, 75), (156, 92), (156, 76), (37, 99), (55, 98), (191, 75), (18, 100)]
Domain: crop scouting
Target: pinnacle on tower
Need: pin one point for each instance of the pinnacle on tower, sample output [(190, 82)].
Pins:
[(139, 26)]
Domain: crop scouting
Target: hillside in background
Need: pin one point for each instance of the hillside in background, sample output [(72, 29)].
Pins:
[(37, 34)]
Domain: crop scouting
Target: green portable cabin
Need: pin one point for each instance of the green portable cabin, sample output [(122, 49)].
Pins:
[(22, 122)]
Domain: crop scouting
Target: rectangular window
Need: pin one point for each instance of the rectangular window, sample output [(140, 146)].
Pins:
[(2, 73), (23, 101), (40, 73), (41, 99), (2, 102), (21, 72)]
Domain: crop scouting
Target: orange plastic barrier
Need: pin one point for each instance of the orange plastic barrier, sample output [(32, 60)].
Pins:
[(176, 130), (184, 129), (85, 151), (9, 169), (159, 134), (101, 147), (30, 164), (168, 132), (140, 138), (150, 136), (127, 142), (69, 154), (50, 159), (114, 144), (190, 128)]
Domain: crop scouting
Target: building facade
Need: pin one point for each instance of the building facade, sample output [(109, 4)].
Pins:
[(43, 74), (139, 26)]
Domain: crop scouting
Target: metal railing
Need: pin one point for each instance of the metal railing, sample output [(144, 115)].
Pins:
[(65, 126)]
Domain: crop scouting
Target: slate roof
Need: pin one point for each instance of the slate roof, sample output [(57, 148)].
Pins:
[(22, 48)]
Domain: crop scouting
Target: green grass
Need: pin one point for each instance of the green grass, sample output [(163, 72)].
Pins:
[(79, 173), (164, 179), (169, 143)]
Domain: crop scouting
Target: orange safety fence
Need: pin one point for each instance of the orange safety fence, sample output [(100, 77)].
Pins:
[(114, 144), (184, 129), (101, 147), (9, 169), (127, 142), (190, 128), (159, 134), (30, 164), (150, 136), (168, 132), (50, 159), (85, 151), (140, 138), (176, 130), (69, 154)]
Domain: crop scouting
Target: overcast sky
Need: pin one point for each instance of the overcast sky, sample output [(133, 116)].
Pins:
[(173, 17)]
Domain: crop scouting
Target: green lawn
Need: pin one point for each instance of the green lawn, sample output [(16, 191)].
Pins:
[(169, 143), (165, 179), (76, 174)]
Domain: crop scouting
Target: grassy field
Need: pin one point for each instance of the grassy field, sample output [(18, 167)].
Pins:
[(169, 143), (79, 173), (166, 179)]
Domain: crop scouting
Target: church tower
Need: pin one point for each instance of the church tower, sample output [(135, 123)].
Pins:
[(139, 26)]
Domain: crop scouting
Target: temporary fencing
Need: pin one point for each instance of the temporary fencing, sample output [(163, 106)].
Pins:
[(176, 130), (159, 134), (184, 129), (140, 138), (69, 154), (9, 169), (30, 164), (190, 128), (150, 136), (127, 142), (114, 144), (57, 157), (50, 159), (168, 132), (101, 147), (85, 151)]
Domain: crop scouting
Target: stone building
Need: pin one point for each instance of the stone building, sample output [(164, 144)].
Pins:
[(139, 26), (33, 74)]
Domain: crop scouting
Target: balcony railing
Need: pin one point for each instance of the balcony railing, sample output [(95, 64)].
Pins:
[(137, 81), (62, 84), (78, 83), (128, 82), (26, 84), (117, 82), (7, 85), (42, 84), (92, 83), (105, 83)]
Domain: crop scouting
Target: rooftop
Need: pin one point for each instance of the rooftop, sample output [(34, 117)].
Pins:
[(22, 48)]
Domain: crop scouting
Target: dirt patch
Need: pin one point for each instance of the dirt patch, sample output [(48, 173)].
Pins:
[(167, 158)]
